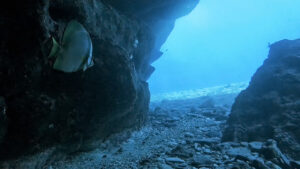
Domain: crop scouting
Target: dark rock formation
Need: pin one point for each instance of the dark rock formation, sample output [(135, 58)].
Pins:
[(45, 107), (3, 119), (270, 106), (161, 15)]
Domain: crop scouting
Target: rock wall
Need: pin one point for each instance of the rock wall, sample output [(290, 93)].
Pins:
[(270, 106), (3, 118), (44, 107)]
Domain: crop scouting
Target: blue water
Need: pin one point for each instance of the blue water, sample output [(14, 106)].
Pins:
[(222, 42)]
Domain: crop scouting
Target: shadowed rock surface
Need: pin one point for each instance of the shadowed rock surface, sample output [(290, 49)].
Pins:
[(45, 107), (270, 106), (3, 119)]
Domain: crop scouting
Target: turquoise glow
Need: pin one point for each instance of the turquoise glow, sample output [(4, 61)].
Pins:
[(222, 42)]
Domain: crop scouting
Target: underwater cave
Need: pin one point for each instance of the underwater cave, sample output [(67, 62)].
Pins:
[(139, 84), (222, 42)]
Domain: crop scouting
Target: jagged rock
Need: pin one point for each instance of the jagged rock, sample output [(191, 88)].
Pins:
[(46, 107), (272, 152), (259, 163), (269, 107), (202, 161)]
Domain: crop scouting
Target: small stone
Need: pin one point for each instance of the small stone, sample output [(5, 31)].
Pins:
[(201, 160), (172, 119), (172, 144), (188, 141), (188, 134), (160, 160), (272, 165), (174, 160), (255, 145), (206, 150), (196, 147), (156, 122), (225, 157), (239, 151), (244, 144), (164, 166), (180, 151)]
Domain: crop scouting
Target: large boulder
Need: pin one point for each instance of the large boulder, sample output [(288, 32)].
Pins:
[(270, 106), (45, 107)]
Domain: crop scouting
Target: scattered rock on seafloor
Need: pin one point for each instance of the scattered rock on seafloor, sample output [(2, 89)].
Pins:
[(182, 147)]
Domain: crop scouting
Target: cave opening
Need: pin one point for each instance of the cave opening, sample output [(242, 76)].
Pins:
[(221, 43), (102, 117)]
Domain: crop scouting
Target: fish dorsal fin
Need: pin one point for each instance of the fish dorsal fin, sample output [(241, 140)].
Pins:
[(55, 48)]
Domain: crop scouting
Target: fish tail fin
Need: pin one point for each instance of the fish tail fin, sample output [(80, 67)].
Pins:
[(86, 66), (55, 48), (91, 64)]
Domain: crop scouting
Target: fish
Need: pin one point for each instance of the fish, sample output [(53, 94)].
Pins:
[(75, 52)]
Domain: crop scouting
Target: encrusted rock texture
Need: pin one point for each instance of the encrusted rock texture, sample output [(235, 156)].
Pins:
[(41, 107), (270, 106)]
